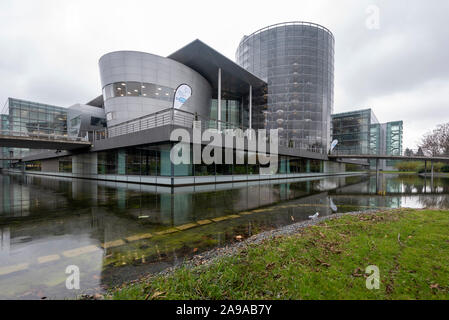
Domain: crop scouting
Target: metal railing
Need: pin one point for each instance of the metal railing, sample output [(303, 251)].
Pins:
[(165, 117), (41, 133), (405, 153), (184, 119)]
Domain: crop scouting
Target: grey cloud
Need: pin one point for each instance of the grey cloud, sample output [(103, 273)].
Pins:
[(50, 48)]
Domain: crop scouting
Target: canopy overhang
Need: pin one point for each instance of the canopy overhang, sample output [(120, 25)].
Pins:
[(206, 61)]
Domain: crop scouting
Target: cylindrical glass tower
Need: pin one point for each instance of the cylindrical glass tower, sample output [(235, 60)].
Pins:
[(296, 59)]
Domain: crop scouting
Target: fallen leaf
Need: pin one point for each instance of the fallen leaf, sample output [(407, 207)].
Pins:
[(155, 295), (434, 286), (389, 288), (269, 266), (357, 273)]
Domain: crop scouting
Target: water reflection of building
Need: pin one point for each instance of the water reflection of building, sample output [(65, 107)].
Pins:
[(4, 242), (38, 195), (85, 215)]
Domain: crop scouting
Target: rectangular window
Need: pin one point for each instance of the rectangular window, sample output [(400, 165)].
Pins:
[(95, 121)]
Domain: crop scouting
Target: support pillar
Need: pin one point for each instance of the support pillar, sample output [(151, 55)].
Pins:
[(431, 176), (377, 176), (425, 176), (219, 100)]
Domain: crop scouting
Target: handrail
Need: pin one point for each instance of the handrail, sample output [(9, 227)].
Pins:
[(39, 134), (176, 117), (410, 153)]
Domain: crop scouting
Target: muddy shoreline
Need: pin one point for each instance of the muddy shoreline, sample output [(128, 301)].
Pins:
[(210, 256)]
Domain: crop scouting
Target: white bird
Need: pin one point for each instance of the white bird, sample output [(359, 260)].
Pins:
[(315, 216)]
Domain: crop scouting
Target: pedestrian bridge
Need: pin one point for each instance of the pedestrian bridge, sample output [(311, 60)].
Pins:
[(412, 157), (12, 139), (390, 157)]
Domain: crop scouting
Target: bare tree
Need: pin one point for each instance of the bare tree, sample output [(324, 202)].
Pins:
[(436, 142), (443, 138)]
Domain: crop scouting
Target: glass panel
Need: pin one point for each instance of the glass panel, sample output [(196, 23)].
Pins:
[(133, 89), (138, 89)]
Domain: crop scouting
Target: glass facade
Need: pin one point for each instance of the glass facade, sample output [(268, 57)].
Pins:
[(154, 160), (359, 132), (65, 164), (354, 133), (297, 62), (393, 140), (138, 89), (32, 117), (374, 139), (27, 117), (4, 152), (232, 112)]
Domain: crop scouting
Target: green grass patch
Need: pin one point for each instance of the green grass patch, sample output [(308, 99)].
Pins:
[(326, 261)]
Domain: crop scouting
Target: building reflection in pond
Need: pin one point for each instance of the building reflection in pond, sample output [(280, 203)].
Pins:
[(115, 231)]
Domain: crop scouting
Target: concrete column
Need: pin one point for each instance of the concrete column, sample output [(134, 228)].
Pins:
[(50, 165), (84, 164), (219, 100), (431, 175), (377, 176)]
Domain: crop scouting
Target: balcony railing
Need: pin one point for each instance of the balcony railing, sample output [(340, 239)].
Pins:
[(182, 119), (163, 118)]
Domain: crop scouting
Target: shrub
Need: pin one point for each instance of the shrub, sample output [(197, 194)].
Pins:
[(409, 166)]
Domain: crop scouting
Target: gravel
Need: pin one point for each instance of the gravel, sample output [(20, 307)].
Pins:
[(215, 254)]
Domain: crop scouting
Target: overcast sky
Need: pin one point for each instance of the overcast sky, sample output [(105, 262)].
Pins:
[(49, 50)]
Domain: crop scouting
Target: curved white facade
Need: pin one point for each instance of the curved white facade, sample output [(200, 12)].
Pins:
[(137, 83)]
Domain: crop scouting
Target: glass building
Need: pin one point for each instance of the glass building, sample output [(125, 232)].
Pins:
[(284, 80), (359, 132), (296, 59), (139, 163), (393, 140), (353, 130), (30, 118), (4, 152)]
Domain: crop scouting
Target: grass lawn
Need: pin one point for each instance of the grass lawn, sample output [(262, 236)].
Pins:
[(326, 261)]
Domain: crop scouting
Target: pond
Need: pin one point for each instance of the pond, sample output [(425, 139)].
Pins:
[(116, 232)]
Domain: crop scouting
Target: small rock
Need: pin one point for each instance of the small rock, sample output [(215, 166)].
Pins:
[(98, 296)]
